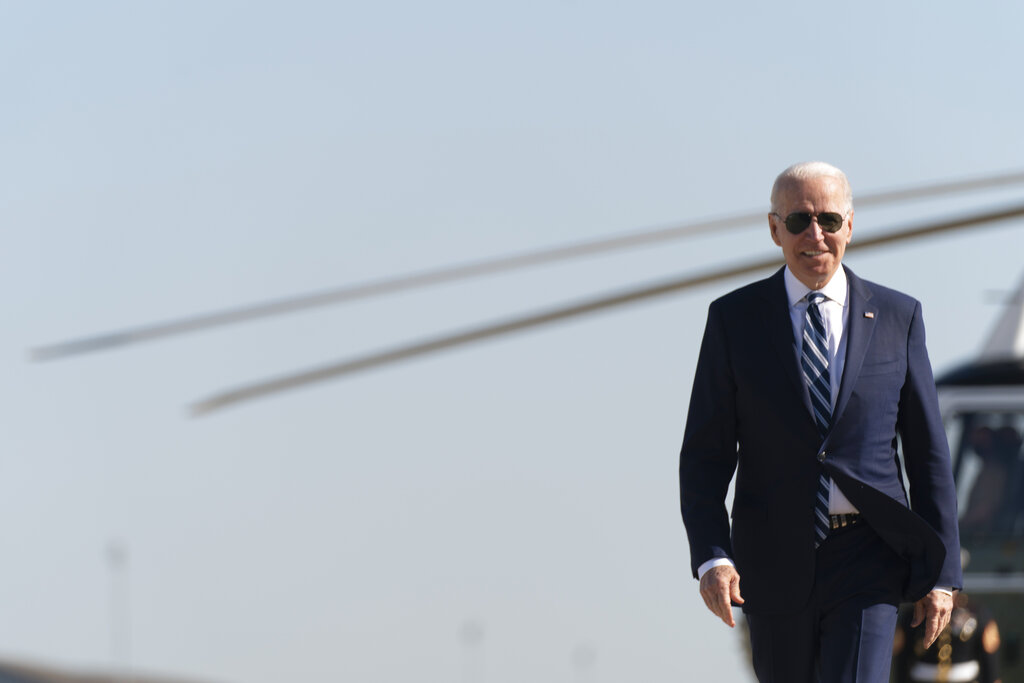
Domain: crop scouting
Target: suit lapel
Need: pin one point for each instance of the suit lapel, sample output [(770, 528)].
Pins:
[(779, 327), (860, 325)]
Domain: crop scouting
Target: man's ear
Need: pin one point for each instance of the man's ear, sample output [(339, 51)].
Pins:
[(774, 230)]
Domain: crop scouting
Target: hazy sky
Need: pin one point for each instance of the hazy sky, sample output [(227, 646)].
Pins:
[(161, 159)]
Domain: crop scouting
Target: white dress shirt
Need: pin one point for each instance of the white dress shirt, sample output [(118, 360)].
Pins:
[(835, 311)]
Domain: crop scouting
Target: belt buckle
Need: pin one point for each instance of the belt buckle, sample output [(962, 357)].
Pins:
[(843, 520)]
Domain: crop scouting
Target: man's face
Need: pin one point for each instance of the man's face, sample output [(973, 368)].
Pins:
[(813, 255)]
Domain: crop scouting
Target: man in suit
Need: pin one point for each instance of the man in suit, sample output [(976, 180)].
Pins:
[(803, 384)]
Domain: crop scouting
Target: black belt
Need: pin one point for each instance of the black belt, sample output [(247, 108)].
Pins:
[(842, 521)]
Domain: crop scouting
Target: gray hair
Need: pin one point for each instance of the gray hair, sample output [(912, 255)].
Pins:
[(807, 170)]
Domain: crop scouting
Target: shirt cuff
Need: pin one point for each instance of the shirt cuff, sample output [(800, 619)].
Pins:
[(714, 562), (948, 590)]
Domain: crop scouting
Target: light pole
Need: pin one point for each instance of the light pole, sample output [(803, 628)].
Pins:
[(583, 659), (472, 635), (120, 611)]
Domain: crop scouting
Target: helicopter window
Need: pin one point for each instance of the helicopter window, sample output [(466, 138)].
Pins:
[(988, 464)]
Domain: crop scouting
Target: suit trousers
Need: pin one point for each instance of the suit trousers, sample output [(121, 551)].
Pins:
[(844, 633)]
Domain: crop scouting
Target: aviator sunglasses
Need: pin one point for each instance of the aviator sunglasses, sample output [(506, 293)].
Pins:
[(797, 222)]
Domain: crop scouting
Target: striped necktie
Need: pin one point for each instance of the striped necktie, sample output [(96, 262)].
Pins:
[(814, 363)]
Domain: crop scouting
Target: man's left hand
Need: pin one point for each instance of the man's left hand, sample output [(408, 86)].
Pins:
[(934, 610)]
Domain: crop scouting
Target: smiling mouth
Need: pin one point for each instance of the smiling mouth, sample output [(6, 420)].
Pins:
[(812, 253)]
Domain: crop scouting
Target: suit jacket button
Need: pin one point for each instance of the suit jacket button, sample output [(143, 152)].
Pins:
[(821, 456)]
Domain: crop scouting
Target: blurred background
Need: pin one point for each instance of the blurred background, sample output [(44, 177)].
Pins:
[(505, 512)]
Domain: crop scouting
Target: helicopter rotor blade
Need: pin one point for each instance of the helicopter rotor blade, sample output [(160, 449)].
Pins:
[(364, 290), (594, 305), (937, 189)]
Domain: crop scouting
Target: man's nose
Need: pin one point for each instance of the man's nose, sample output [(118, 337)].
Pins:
[(814, 229)]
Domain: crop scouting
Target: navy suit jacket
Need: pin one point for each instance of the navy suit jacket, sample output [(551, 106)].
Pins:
[(750, 415)]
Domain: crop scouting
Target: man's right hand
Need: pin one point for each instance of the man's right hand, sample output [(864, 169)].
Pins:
[(720, 586)]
